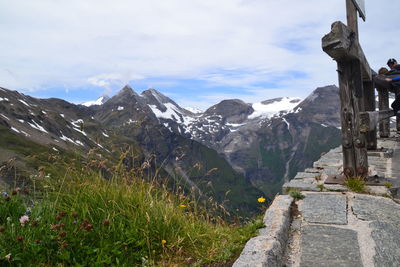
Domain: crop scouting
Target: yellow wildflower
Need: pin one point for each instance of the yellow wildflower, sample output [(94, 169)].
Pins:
[(163, 241), (182, 205), (261, 199)]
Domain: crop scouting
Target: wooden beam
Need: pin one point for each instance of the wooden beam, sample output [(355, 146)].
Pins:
[(370, 119), (352, 20), (383, 103), (381, 83), (341, 44), (383, 87), (369, 105)]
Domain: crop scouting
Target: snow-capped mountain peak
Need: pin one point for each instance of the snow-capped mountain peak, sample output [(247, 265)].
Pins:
[(101, 100)]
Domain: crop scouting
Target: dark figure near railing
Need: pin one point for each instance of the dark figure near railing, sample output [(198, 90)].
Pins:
[(392, 64), (392, 77)]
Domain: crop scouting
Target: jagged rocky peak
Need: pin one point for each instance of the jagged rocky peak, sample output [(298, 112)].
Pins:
[(321, 106), (323, 93), (126, 91), (230, 111), (153, 96), (161, 103), (124, 96)]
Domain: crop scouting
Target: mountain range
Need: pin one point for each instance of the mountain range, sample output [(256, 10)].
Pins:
[(233, 152)]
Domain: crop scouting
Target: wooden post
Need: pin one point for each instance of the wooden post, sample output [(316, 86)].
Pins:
[(355, 160), (359, 137), (383, 103), (369, 104), (346, 116), (352, 21)]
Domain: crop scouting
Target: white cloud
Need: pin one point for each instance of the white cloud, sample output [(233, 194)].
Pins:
[(104, 43)]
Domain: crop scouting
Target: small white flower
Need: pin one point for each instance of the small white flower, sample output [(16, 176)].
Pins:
[(24, 219), (8, 256)]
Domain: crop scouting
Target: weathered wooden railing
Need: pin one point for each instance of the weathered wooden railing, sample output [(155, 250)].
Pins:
[(383, 88), (357, 83)]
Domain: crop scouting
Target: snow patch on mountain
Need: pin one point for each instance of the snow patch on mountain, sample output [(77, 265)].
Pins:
[(15, 129), (23, 102), (76, 142), (268, 109), (172, 112), (4, 116), (37, 126), (194, 110), (78, 127), (287, 123), (19, 131), (101, 100)]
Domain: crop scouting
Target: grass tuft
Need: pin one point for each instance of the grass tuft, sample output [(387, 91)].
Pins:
[(388, 185), (296, 194), (321, 187), (355, 184)]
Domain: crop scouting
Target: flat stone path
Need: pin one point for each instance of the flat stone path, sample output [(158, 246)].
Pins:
[(370, 236), (335, 227)]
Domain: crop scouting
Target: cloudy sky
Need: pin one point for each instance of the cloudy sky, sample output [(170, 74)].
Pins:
[(197, 52)]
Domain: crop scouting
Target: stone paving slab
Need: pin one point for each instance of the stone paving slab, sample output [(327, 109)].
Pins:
[(371, 208), (387, 240), (332, 170), (303, 175), (326, 163), (334, 187), (329, 246), (313, 170), (301, 185), (325, 208)]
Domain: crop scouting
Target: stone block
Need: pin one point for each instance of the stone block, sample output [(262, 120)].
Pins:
[(268, 248), (329, 246), (301, 185), (325, 208)]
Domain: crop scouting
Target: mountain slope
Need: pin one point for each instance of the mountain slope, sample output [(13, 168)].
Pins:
[(269, 141)]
